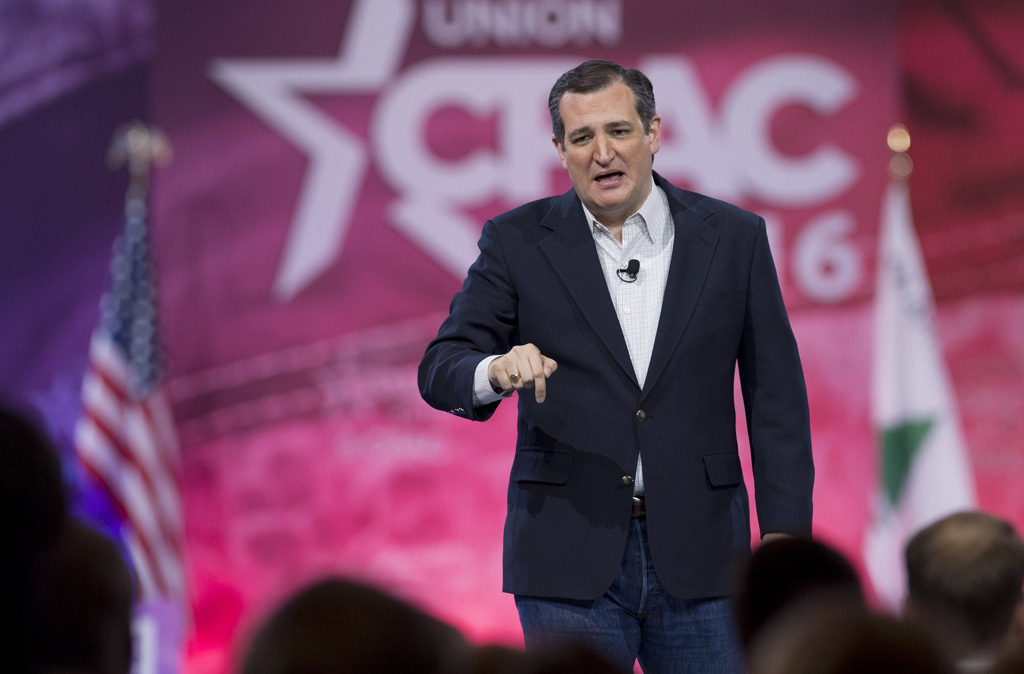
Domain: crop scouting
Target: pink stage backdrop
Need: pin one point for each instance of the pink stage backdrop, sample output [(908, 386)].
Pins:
[(334, 162)]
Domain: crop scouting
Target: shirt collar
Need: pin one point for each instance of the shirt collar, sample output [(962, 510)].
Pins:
[(653, 213)]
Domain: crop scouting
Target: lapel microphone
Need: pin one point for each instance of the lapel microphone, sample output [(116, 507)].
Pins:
[(631, 270)]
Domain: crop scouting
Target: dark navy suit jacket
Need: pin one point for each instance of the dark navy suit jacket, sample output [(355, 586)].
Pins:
[(538, 280)]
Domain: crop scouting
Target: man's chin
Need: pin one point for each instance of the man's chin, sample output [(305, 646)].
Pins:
[(608, 206)]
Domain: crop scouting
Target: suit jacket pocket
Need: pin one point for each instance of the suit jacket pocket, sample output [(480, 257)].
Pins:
[(723, 469), (724, 299), (536, 464)]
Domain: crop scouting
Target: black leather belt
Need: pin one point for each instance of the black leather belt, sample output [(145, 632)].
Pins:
[(639, 507)]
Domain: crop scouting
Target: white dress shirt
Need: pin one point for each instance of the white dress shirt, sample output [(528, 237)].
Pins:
[(647, 236)]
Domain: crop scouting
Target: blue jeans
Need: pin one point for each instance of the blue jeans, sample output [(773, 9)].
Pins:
[(637, 620)]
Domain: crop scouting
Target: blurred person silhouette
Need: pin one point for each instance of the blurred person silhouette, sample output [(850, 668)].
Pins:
[(33, 502), (786, 573), (81, 608), (964, 587), (569, 657), (336, 625), (33, 508), (812, 639), (1011, 662)]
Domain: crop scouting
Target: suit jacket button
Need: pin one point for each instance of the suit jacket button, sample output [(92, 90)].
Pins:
[(627, 480), (641, 416)]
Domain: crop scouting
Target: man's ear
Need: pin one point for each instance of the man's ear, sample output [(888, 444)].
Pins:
[(561, 150), (654, 135)]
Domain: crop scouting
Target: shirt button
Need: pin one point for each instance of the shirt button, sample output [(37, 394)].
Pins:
[(627, 480), (626, 310), (641, 416)]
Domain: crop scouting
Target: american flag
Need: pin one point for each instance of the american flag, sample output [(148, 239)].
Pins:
[(125, 438)]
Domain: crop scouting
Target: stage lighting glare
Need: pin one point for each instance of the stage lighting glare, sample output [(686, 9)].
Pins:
[(900, 165), (898, 138)]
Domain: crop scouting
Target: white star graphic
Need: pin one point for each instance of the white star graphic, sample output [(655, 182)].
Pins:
[(371, 50)]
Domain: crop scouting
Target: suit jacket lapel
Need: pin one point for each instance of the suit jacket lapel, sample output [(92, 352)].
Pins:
[(573, 255), (694, 248)]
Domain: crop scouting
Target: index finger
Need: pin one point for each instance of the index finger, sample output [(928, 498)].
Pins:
[(542, 371), (534, 374), (540, 387)]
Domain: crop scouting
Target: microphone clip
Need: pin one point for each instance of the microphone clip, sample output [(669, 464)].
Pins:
[(629, 272)]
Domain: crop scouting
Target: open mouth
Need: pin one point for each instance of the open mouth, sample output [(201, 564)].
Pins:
[(608, 177)]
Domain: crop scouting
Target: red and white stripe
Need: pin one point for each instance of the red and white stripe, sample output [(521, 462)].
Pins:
[(127, 445)]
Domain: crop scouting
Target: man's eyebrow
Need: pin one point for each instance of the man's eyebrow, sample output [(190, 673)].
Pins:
[(578, 130), (615, 124)]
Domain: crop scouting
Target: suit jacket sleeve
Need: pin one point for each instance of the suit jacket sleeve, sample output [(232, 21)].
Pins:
[(775, 401), (481, 322)]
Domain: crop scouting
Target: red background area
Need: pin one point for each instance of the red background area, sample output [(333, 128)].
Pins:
[(306, 447)]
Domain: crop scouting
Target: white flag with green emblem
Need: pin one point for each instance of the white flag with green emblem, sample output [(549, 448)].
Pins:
[(924, 473)]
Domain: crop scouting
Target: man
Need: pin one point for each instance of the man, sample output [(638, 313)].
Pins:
[(338, 625), (964, 579), (820, 639), (33, 511), (625, 305), (82, 599), (794, 574)]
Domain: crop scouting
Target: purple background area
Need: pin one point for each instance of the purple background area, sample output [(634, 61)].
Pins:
[(60, 211)]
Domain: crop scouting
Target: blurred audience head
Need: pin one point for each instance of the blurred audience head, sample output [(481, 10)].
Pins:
[(569, 657), (816, 640), (82, 598), (787, 573), (33, 508), (964, 579), (1011, 661), (33, 503), (335, 625), (560, 658)]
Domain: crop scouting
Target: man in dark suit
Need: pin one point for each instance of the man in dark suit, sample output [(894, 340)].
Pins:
[(626, 305)]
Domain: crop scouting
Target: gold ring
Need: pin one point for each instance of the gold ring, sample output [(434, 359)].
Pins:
[(514, 378)]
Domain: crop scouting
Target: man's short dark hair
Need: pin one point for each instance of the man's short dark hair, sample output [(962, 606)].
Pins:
[(786, 573), (81, 609), (818, 639), (595, 75), (970, 567), (338, 625)]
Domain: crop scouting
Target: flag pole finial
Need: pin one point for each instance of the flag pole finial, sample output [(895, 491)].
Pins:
[(900, 164), (139, 146)]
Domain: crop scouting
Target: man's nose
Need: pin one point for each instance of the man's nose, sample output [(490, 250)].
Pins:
[(603, 150)]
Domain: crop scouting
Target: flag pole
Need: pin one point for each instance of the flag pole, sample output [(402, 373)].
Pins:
[(924, 470), (125, 438)]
